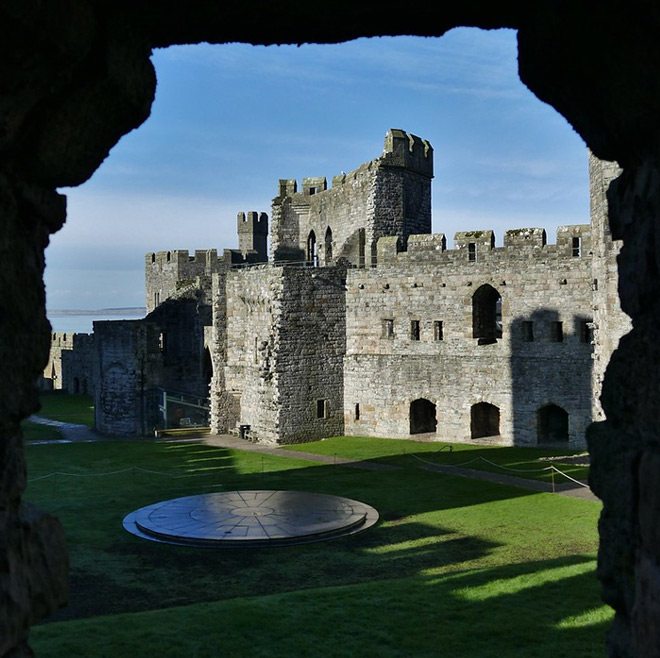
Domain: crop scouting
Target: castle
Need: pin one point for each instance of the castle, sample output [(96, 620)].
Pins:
[(354, 319)]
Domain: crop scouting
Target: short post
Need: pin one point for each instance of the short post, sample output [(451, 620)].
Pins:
[(552, 477)]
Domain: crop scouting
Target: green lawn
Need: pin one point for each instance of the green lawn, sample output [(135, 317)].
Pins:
[(455, 567), (68, 408), (522, 462)]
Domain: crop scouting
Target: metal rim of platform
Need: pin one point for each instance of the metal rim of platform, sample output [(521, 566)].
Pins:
[(250, 519)]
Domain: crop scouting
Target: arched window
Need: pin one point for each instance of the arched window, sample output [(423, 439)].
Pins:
[(312, 256), (422, 416), (486, 315), (484, 420), (552, 424), (328, 246)]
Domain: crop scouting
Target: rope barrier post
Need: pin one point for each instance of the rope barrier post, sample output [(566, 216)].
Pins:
[(552, 477)]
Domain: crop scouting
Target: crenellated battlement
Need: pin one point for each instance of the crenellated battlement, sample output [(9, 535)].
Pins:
[(573, 242), (406, 150), (252, 222), (401, 150)]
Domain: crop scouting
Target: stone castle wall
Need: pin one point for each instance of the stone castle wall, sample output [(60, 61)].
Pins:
[(426, 295), (70, 364), (390, 195), (284, 351)]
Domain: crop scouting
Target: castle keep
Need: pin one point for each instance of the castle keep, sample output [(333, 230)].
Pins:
[(356, 320)]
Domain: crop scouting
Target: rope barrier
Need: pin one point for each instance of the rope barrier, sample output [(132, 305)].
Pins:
[(552, 469), (124, 470)]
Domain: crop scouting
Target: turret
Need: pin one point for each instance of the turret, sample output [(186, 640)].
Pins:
[(253, 233)]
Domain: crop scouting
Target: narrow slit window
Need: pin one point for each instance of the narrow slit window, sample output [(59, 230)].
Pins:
[(414, 330), (528, 331), (438, 331), (357, 411), (472, 251)]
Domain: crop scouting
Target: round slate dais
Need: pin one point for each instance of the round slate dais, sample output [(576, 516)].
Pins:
[(240, 519)]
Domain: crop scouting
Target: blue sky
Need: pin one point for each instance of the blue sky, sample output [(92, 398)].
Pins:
[(229, 121)]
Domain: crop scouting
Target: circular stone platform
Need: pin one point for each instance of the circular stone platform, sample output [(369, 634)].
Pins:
[(240, 519)]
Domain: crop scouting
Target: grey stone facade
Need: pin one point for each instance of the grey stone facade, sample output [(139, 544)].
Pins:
[(364, 323), (70, 364)]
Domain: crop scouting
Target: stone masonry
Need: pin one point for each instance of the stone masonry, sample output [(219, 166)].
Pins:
[(364, 323)]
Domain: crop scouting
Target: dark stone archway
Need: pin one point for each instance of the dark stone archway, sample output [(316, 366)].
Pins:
[(552, 424), (422, 416), (75, 76), (484, 420)]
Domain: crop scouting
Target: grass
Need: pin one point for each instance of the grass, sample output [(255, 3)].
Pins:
[(526, 462), (67, 408), (455, 566), (61, 406), (37, 432)]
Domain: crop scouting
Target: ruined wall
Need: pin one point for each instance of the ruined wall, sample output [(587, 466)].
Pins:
[(134, 359), (127, 358), (390, 195), (411, 334), (253, 308), (610, 322), (285, 346), (70, 366), (168, 272)]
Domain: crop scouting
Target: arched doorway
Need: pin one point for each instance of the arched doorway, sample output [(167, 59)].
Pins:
[(328, 246), (486, 315), (484, 420), (422, 416), (552, 424), (312, 255)]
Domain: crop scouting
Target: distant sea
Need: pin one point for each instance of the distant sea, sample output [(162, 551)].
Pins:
[(80, 321)]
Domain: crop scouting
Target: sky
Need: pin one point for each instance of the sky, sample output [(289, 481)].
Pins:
[(229, 121)]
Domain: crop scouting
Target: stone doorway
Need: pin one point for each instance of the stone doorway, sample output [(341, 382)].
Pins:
[(422, 416), (484, 420), (552, 424)]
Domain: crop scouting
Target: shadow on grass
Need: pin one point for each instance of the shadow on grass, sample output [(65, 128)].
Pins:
[(535, 609), (430, 524)]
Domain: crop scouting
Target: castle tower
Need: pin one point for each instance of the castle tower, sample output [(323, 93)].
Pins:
[(253, 233)]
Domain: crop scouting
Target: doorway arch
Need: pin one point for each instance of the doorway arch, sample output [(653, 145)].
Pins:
[(552, 424), (484, 420), (422, 416)]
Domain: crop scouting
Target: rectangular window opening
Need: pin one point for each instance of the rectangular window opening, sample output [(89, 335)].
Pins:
[(162, 342), (528, 331), (472, 251), (414, 330), (438, 332), (357, 411), (557, 332), (321, 408), (387, 329), (577, 247), (586, 331)]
